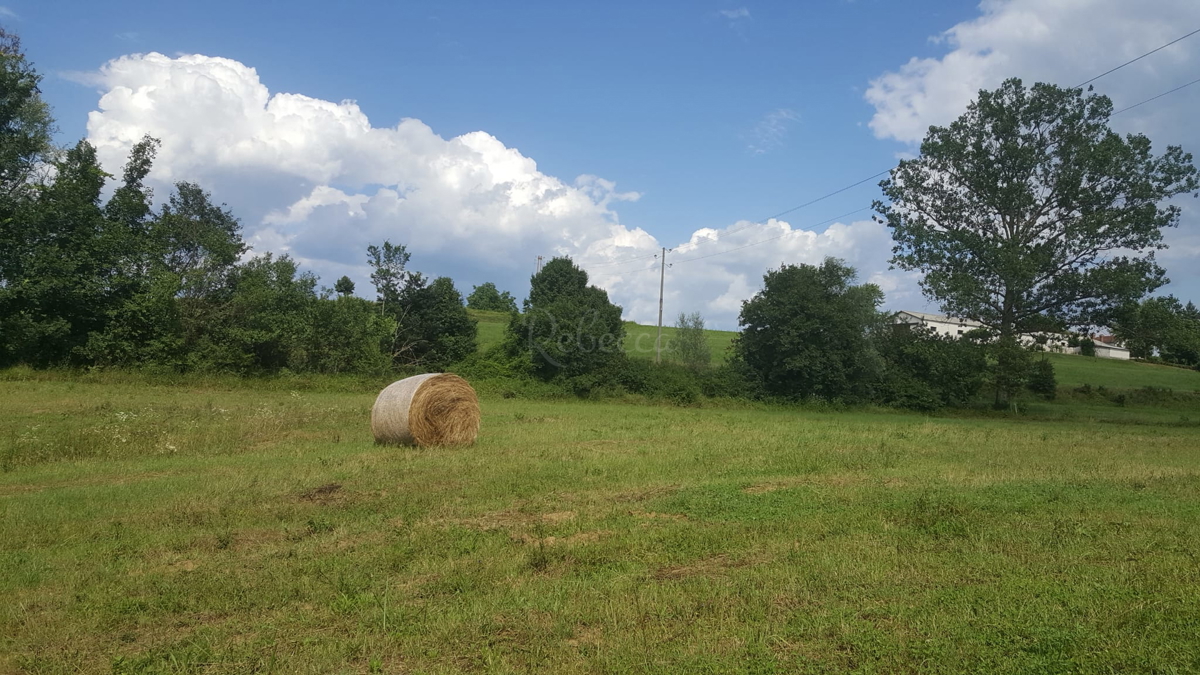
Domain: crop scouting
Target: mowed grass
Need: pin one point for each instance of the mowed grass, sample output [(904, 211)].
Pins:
[(1073, 371), (235, 529), (639, 341)]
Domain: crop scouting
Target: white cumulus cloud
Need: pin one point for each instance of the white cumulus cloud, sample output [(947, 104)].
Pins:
[(316, 179)]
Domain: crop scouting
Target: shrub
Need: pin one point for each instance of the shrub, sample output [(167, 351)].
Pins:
[(1087, 347), (1041, 380)]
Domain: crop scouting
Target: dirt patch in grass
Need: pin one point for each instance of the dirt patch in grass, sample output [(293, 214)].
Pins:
[(508, 520), (323, 494), (714, 566), (834, 480), (645, 494), (579, 538)]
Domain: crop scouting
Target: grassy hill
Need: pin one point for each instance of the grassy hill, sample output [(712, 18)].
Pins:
[(639, 341), (1072, 371)]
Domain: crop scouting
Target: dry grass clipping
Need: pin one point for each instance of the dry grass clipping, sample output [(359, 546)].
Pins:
[(433, 409)]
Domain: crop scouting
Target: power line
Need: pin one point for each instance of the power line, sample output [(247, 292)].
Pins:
[(888, 170), (1152, 98), (1107, 72)]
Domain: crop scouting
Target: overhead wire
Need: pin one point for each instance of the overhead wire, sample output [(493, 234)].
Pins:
[(888, 170)]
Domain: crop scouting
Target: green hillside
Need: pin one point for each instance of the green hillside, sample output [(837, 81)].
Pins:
[(491, 327), (639, 341), (1072, 371)]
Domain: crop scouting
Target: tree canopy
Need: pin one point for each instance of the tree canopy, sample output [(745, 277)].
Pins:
[(569, 328), (489, 298), (806, 333), (1028, 212)]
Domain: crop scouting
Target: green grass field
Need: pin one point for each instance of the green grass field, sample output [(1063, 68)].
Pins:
[(1074, 371), (221, 527)]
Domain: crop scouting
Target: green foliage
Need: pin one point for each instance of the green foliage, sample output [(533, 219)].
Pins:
[(196, 240), (1162, 327), (348, 335), (1028, 212), (1041, 379), (433, 327), (806, 333), (256, 323), (55, 292), (926, 371), (26, 126), (1010, 369), (344, 286), (1087, 347), (487, 297), (569, 329), (690, 344), (388, 263)]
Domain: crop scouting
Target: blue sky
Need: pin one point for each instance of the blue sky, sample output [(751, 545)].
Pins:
[(712, 113)]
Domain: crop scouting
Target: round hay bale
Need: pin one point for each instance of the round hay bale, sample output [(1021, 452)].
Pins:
[(432, 409)]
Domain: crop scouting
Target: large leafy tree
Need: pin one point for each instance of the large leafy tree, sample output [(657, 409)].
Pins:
[(1028, 212), (196, 240), (806, 333), (569, 328), (26, 126)]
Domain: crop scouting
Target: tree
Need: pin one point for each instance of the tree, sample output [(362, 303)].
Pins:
[(196, 241), (257, 323), (389, 277), (690, 345), (434, 329), (1161, 326), (344, 286), (1029, 213), (488, 297), (806, 332), (26, 126), (569, 329)]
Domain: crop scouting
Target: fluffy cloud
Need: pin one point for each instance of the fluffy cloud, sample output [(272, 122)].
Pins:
[(1065, 42), (317, 180)]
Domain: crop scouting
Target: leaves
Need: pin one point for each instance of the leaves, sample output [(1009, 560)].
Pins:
[(1028, 211)]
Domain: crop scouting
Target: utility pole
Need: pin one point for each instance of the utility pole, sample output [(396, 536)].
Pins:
[(662, 275), (539, 265)]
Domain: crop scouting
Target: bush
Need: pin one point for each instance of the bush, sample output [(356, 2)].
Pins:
[(1041, 380), (1087, 347), (925, 371)]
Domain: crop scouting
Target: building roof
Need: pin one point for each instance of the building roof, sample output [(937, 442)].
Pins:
[(941, 318)]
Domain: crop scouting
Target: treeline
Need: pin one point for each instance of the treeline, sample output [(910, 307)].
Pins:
[(116, 283), (810, 334), (1161, 329)]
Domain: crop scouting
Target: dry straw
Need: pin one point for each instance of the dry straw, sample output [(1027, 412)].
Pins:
[(433, 409)]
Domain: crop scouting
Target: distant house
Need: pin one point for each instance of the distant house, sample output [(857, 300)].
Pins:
[(940, 323), (1107, 347)]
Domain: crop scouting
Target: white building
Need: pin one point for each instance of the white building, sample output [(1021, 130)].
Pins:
[(1051, 342), (940, 323), (1106, 350)]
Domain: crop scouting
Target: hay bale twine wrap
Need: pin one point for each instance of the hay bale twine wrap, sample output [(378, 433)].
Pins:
[(432, 409)]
